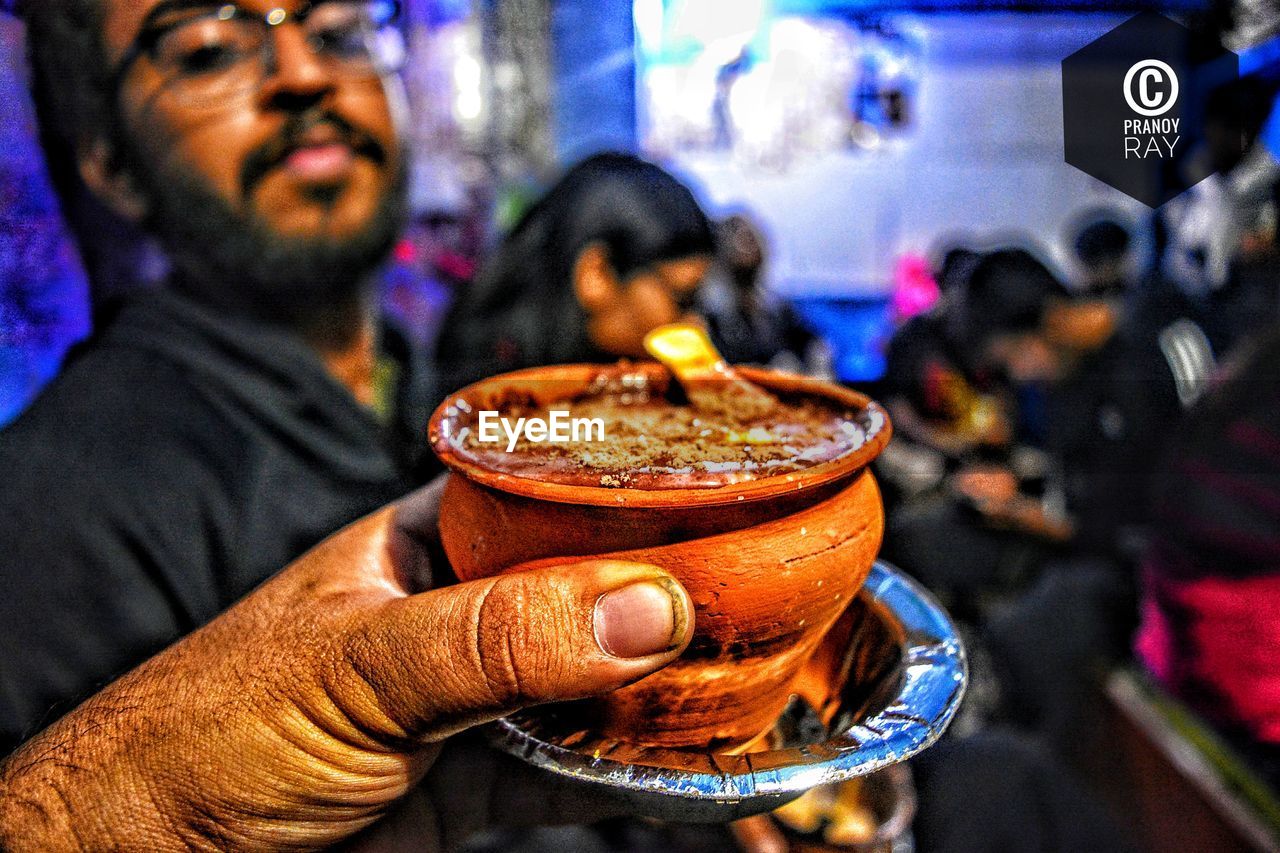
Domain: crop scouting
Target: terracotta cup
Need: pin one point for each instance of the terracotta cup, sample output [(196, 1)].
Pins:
[(770, 564)]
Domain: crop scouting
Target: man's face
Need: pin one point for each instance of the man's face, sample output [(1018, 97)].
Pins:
[(300, 177)]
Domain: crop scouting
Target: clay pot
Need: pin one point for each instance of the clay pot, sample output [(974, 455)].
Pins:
[(770, 564)]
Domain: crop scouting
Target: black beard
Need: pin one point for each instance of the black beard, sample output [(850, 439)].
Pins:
[(236, 262)]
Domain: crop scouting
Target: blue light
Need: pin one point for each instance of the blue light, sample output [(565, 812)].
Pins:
[(857, 331)]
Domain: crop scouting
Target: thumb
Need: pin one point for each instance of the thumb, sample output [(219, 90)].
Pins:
[(440, 661)]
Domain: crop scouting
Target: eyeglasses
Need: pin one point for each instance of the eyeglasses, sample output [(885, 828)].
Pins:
[(210, 53)]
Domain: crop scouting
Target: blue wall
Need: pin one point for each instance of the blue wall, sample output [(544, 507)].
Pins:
[(593, 56), (44, 305)]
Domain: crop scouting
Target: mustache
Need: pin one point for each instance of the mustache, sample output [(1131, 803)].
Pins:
[(267, 156)]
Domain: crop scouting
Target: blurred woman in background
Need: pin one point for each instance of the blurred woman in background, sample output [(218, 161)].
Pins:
[(614, 249)]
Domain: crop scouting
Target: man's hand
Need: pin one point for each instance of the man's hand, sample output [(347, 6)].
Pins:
[(307, 711)]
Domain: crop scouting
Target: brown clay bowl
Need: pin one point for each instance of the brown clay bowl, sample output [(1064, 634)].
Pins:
[(770, 564)]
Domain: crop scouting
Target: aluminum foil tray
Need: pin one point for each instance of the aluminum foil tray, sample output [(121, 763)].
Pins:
[(884, 686)]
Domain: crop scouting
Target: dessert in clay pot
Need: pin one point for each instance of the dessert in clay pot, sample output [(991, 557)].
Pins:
[(751, 487)]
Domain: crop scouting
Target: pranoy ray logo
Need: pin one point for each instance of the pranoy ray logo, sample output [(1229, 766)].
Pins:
[(1133, 106)]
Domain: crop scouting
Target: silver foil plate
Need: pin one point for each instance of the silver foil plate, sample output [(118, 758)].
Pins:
[(898, 676)]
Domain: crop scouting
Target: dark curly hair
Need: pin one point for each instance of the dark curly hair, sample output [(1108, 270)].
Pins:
[(70, 80), (1007, 292), (71, 89)]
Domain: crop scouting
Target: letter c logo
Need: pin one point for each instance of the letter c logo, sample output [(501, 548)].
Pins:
[(1156, 89)]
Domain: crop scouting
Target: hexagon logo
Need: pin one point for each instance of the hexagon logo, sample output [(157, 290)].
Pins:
[(1134, 106)]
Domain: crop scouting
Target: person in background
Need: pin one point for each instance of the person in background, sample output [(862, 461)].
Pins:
[(1211, 576), (933, 398), (616, 248), (1103, 255), (939, 409), (1250, 299), (948, 400), (216, 429), (932, 389), (1203, 235), (954, 265), (1110, 389), (1111, 393), (746, 324)]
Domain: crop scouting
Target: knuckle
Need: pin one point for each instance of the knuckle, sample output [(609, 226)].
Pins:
[(498, 614), (521, 630)]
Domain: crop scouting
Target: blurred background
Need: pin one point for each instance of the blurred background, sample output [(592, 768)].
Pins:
[(893, 210), (860, 136)]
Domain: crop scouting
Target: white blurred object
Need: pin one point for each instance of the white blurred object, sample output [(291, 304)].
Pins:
[(820, 361), (714, 22), (1253, 180), (434, 187), (773, 92), (1203, 236), (795, 101), (1208, 223), (1254, 20), (913, 468)]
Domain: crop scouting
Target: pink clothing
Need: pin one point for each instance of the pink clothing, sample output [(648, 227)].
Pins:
[(1215, 643), (1211, 608)]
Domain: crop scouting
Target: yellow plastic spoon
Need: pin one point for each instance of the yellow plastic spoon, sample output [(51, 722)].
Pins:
[(710, 382)]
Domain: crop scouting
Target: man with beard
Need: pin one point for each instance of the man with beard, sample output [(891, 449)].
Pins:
[(210, 432)]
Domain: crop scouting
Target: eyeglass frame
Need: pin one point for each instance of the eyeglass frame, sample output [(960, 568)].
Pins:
[(148, 34)]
